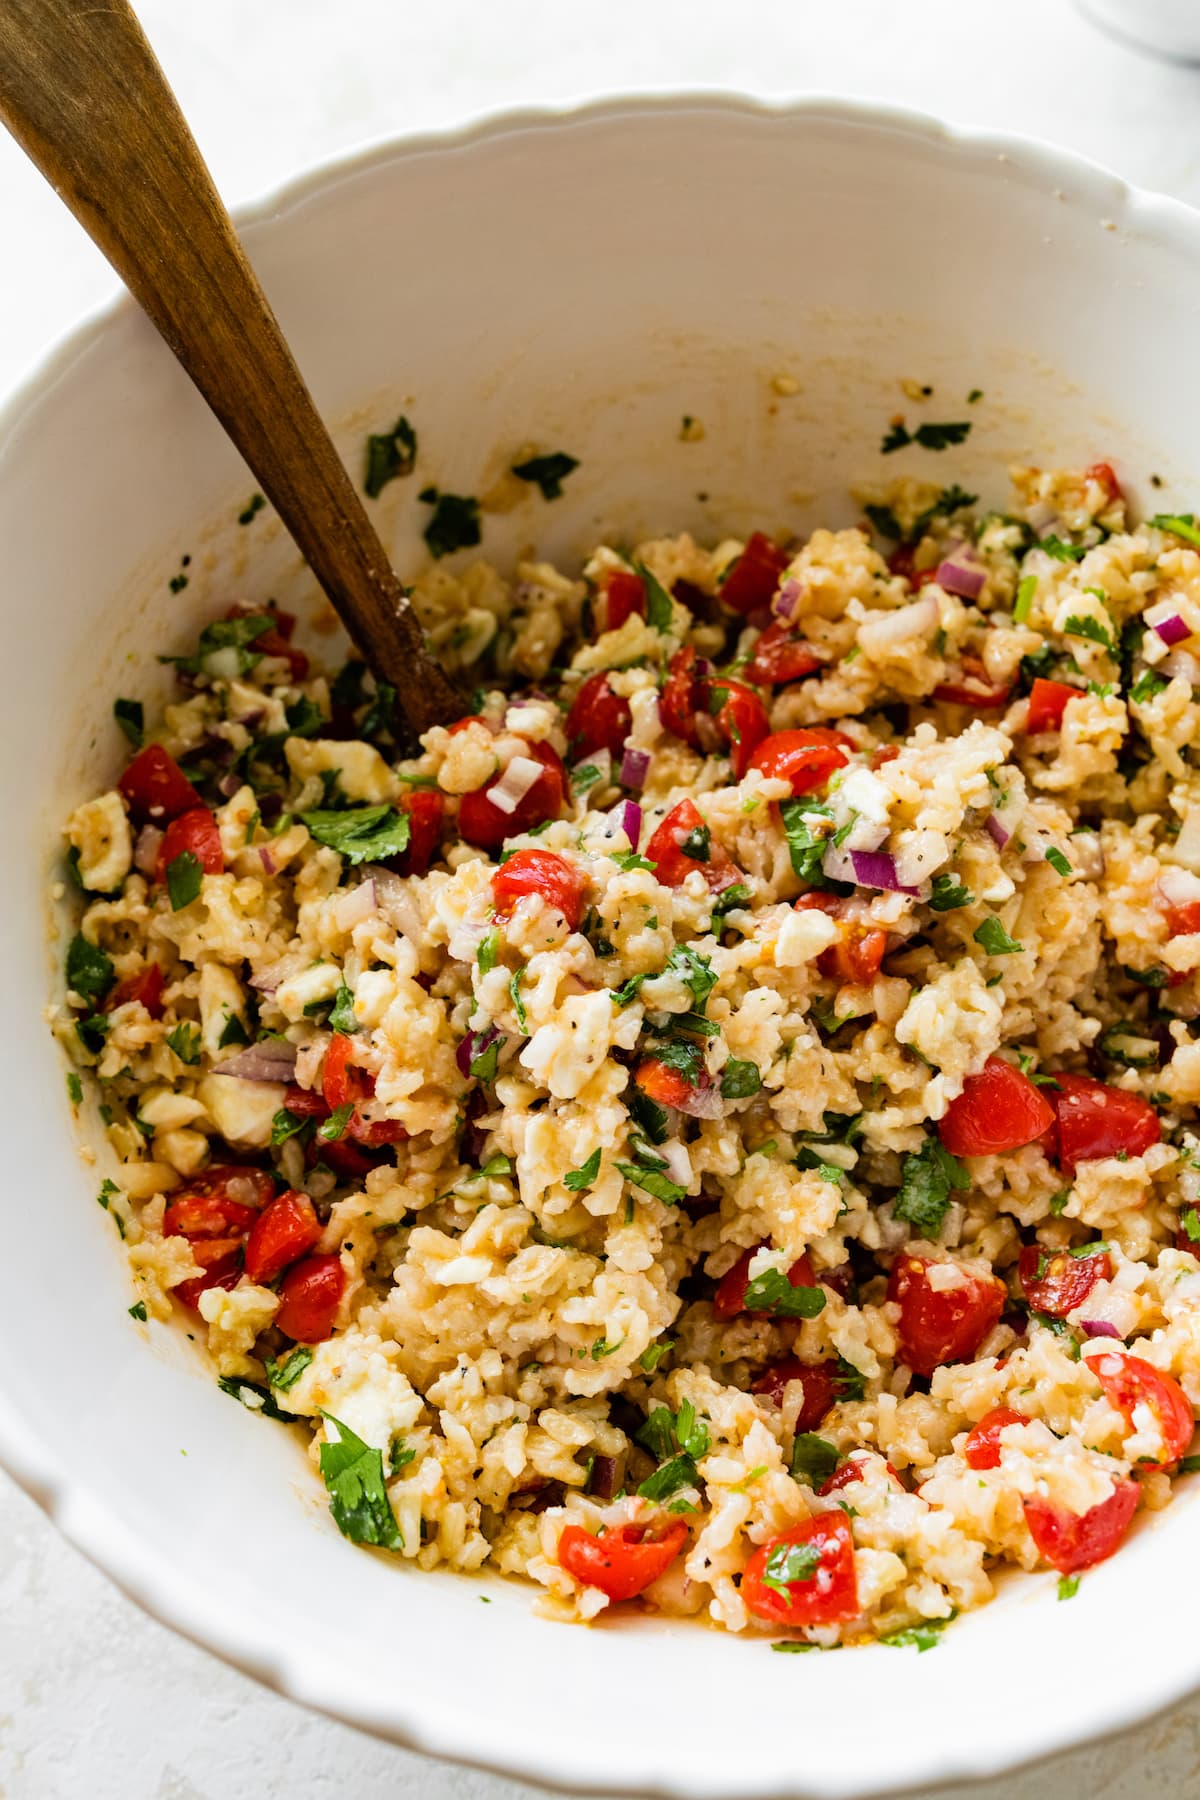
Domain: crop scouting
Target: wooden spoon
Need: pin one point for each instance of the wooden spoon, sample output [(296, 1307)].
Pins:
[(83, 94)]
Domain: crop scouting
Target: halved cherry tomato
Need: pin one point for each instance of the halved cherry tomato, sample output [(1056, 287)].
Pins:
[(752, 580), (220, 1261), (818, 1381), (1129, 1382), (156, 788), (1047, 704), (666, 1086), (195, 831), (805, 759), (309, 1296), (827, 1595), (283, 1231), (600, 718), (999, 1109), (1072, 1541), (426, 811), (674, 845), (982, 1448), (624, 1559), (853, 1469), (214, 1212), (886, 753), (1102, 473), (1096, 1121), (344, 1082), (730, 1297), (274, 641), (941, 1325), (681, 698), (486, 825), (780, 657), (625, 594), (975, 689), (194, 1215), (145, 987), (1055, 1282), (741, 719), (1184, 920), (560, 884), (231, 1181), (855, 960)]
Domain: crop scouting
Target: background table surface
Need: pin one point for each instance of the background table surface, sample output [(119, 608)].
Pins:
[(95, 1699)]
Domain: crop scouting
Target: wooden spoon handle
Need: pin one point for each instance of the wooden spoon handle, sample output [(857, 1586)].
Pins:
[(82, 92)]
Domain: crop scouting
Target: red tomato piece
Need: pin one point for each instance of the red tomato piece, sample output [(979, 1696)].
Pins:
[(741, 719), (194, 1215), (344, 1082), (1129, 1382), (819, 1382), (805, 759), (730, 1297), (1047, 704), (1095, 1120), (467, 720), (853, 1469), (221, 1262), (624, 1559), (559, 883), (599, 719), (426, 811), (232, 1181), (672, 848), (886, 753), (1102, 473), (275, 640), (195, 831), (309, 1296), (982, 1448), (666, 1086), (681, 697), (625, 594), (857, 957), (975, 689), (1072, 1541), (941, 1325), (780, 657), (1055, 1282), (999, 1109), (306, 1103), (344, 1157), (1182, 920), (752, 580), (283, 1231), (486, 825), (145, 987), (156, 788), (826, 1595)]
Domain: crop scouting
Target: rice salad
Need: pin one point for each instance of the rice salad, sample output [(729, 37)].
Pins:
[(715, 1129)]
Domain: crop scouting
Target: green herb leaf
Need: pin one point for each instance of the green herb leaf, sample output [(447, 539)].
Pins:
[(629, 859), (949, 894), (730, 898), (805, 848), (772, 1292), (185, 877), (485, 956), (287, 1372), (138, 1311), (226, 634), (649, 1116), (925, 1636), (1180, 525), (1058, 861), (184, 1040), (584, 777), (514, 989), (389, 454), (653, 1354), (107, 1190), (993, 938), (342, 1018), (89, 970), (659, 610), (233, 1032), (332, 1128), (1189, 1465), (739, 1080), (1026, 589), (695, 971), (455, 522), (353, 1476), (361, 833), (813, 1459), (252, 508), (697, 844), (254, 1398), (578, 1180), (74, 1088), (130, 716), (929, 436), (1084, 626), (286, 1124), (1060, 550), (679, 1473), (485, 1064), (1148, 683), (549, 472), (790, 1563), (927, 1179), (1068, 1586), (653, 1182)]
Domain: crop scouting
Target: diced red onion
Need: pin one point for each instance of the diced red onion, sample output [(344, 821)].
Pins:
[(145, 851), (875, 868), (996, 831), (602, 1482), (1095, 1328), (229, 785), (267, 860), (507, 793), (634, 767), (627, 817), (273, 1059), (1172, 630), (961, 578), (703, 1101), (836, 864), (474, 1045), (1042, 517), (786, 603), (350, 909)]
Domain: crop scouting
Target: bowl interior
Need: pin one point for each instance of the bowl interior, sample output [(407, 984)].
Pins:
[(579, 284)]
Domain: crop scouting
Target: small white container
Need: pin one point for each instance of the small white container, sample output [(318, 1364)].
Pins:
[(1168, 27)]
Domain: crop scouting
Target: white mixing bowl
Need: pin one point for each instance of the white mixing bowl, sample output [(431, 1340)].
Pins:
[(577, 282)]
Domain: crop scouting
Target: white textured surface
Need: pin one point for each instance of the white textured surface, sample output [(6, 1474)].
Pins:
[(96, 1700)]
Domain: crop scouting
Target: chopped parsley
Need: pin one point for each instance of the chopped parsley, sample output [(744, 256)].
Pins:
[(584, 777), (389, 454), (485, 956), (486, 1060), (1068, 1586), (739, 1080), (332, 1128), (929, 436), (1180, 525), (235, 635), (360, 833), (695, 971), (233, 1032), (287, 1124), (138, 1311), (514, 989), (927, 1179), (455, 522), (342, 1018), (697, 844), (130, 716), (805, 848), (1148, 683), (731, 897), (89, 970), (107, 1190), (790, 1563), (185, 877), (659, 611), (1189, 1465), (1190, 1221), (628, 990), (287, 1372), (353, 1475), (993, 938), (1058, 861), (813, 1459), (649, 1174), (677, 1441), (252, 508), (577, 1180), (653, 1354), (549, 471), (184, 1040), (74, 1088), (949, 894), (1060, 550), (629, 859), (773, 1293), (1082, 625), (925, 1636)]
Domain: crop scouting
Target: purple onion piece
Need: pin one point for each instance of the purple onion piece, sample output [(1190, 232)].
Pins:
[(602, 1482), (229, 785), (272, 1060), (634, 767), (1095, 1328), (1172, 630), (786, 603), (996, 831), (704, 1102), (627, 817), (875, 868), (474, 1138), (267, 860), (474, 1045), (961, 578)]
